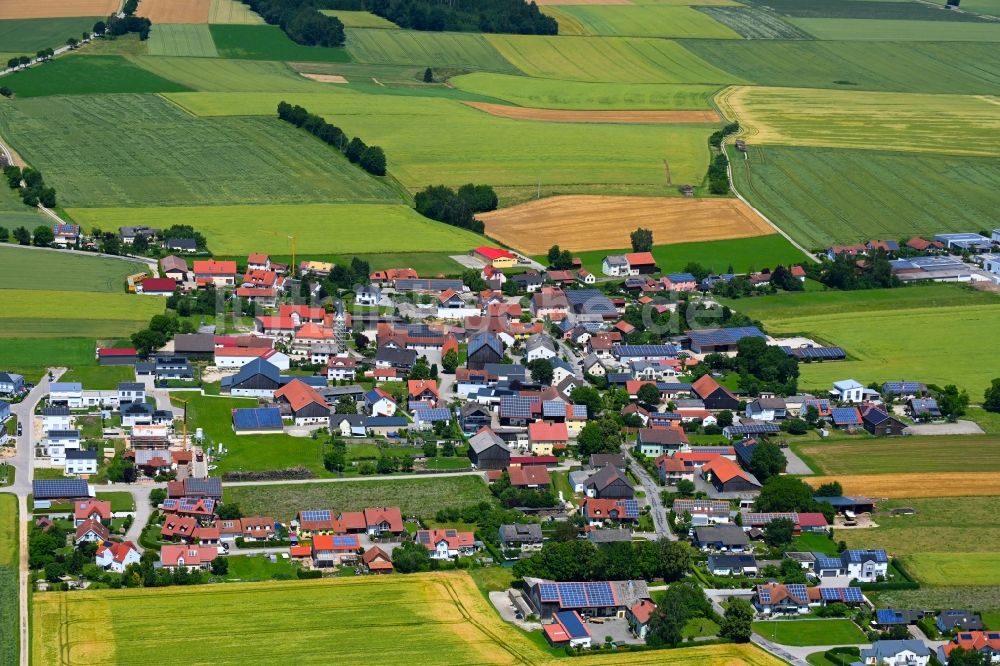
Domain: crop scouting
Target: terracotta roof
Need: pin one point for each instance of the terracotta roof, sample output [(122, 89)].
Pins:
[(388, 514), (724, 469), (326, 542), (640, 259), (212, 267), (257, 259), (93, 526), (376, 559), (540, 431), (528, 475), (84, 509), (158, 284), (454, 538), (300, 551), (706, 385), (418, 386), (299, 395), (170, 555), (353, 520), (643, 610), (974, 641)]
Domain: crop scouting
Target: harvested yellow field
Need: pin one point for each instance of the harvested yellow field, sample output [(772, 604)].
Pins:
[(430, 618), (175, 11), (325, 78), (561, 116), (28, 9), (935, 484), (604, 222)]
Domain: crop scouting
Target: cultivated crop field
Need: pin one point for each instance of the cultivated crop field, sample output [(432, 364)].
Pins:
[(594, 222), (613, 59), (439, 49), (8, 579), (175, 11), (625, 117), (323, 228), (898, 30), (549, 94), (268, 42), (923, 484), (752, 23), (849, 65), (221, 75), (233, 12), (823, 196), (79, 75), (415, 496), (18, 9), (359, 19), (168, 39), (169, 157), (22, 36), (948, 124), (479, 147), (47, 270), (53, 314), (646, 21), (910, 454), (439, 618)]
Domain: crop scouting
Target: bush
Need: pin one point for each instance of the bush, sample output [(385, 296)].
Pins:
[(308, 573)]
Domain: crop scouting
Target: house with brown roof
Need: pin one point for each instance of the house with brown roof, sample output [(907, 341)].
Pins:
[(376, 561), (638, 616), (714, 395), (532, 477), (383, 520), (728, 477), (215, 273), (425, 390), (447, 544), (91, 531), (174, 267), (778, 598), (329, 550), (189, 557), (546, 437), (303, 403)]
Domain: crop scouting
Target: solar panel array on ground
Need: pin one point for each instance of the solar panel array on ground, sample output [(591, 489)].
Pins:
[(264, 418), (817, 353)]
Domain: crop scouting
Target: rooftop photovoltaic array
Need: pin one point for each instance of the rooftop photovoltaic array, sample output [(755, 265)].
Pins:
[(571, 622), (845, 415), (345, 541), (551, 408), (631, 508), (316, 515), (516, 406), (798, 591), (764, 594), (823, 562), (645, 350), (59, 488), (725, 336), (578, 595), (851, 595), (754, 429)]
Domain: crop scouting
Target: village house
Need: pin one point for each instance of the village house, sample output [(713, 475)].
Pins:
[(187, 556), (215, 273), (487, 451), (447, 544), (607, 483), (909, 652), (116, 556), (526, 537), (300, 402), (331, 550)]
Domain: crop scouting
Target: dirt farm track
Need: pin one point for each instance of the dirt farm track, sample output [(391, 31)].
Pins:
[(604, 222)]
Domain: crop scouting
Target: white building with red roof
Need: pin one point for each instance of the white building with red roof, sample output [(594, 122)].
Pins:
[(190, 557), (116, 556), (447, 544)]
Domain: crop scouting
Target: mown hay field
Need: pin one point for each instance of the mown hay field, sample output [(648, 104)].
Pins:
[(88, 75), (233, 12), (360, 19), (552, 94), (646, 21), (169, 157), (600, 222), (910, 454), (436, 49), (175, 11), (826, 196), (753, 23), (948, 124), (860, 29), (268, 42), (925, 67), (167, 39), (478, 147), (224, 75), (52, 314), (323, 228), (915, 484), (20, 9), (47, 270), (439, 618), (607, 59), (955, 568), (576, 116)]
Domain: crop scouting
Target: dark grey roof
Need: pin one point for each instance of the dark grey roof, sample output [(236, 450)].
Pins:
[(82, 454), (886, 650), (131, 386), (356, 420), (211, 486), (609, 535), (43, 489), (725, 561), (590, 301), (605, 477), (485, 439), (196, 343), (182, 243), (485, 340), (521, 533), (727, 535), (396, 356), (55, 411), (385, 421), (604, 459)]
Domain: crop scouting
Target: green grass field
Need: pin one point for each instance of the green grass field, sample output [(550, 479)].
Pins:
[(49, 270), (359, 19), (252, 568), (608, 59), (222, 75), (181, 39), (926, 67), (479, 147), (48, 314), (318, 228), (886, 337), (464, 50), (78, 75), (911, 454), (898, 30), (875, 10), (947, 124), (29, 356), (8, 579), (100, 377), (171, 158), (550, 94), (743, 254), (823, 196), (267, 42), (439, 618), (951, 568), (232, 12), (646, 21), (810, 632), (26, 36), (988, 7), (752, 23), (415, 496)]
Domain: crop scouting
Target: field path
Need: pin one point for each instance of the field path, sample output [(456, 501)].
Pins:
[(626, 117)]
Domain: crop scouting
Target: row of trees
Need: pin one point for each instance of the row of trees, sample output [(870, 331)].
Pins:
[(510, 16), (718, 176), (33, 190), (457, 208), (301, 21), (581, 560), (844, 272), (369, 158), (42, 236)]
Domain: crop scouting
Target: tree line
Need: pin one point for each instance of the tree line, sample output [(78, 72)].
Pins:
[(33, 191), (510, 16), (301, 21), (369, 158), (457, 208)]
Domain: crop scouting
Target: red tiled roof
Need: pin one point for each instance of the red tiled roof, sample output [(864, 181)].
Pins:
[(643, 610), (640, 259), (170, 555), (300, 551), (279, 323), (158, 284), (706, 385), (974, 641), (353, 520), (724, 469), (212, 267), (299, 395), (260, 259), (528, 475), (93, 526), (84, 509), (325, 542), (540, 431), (387, 514)]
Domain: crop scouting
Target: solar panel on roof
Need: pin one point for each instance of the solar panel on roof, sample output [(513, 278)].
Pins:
[(316, 515), (820, 353), (571, 622), (631, 508), (58, 488), (829, 594), (553, 408), (600, 594), (423, 537), (764, 595), (798, 591), (516, 406), (345, 541), (548, 592), (853, 595)]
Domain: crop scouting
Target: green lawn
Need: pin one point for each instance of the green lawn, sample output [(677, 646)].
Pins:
[(26, 36), (172, 158), (457, 50), (100, 377), (421, 497), (553, 94), (120, 501), (952, 568), (814, 543), (52, 270), (810, 632), (927, 67), (55, 314), (249, 568), (87, 75), (318, 228), (267, 42), (181, 39), (30, 356), (223, 75)]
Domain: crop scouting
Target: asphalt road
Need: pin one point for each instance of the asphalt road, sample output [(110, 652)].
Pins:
[(656, 508)]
